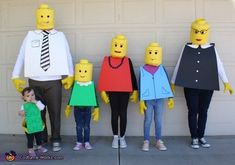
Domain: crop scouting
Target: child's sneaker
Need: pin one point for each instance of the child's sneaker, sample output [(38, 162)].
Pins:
[(204, 143), (88, 146), (32, 153), (145, 146), (194, 143), (160, 145), (123, 142), (78, 146), (115, 141), (42, 149)]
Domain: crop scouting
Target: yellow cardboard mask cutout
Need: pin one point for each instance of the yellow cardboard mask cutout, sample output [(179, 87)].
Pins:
[(45, 18), (199, 34), (153, 54), (119, 46), (83, 71)]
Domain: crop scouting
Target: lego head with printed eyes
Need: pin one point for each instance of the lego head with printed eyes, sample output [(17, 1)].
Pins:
[(45, 17), (83, 71), (199, 34), (119, 46), (153, 54)]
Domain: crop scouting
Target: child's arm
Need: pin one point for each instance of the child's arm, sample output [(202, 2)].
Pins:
[(142, 107), (67, 111), (170, 103), (21, 112), (40, 105), (96, 114), (68, 108), (96, 111)]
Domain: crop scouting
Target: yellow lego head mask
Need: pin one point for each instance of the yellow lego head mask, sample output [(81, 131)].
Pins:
[(83, 71), (45, 17), (199, 34), (153, 54), (119, 46)]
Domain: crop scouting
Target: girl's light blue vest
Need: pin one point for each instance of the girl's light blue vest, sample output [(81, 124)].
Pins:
[(154, 86)]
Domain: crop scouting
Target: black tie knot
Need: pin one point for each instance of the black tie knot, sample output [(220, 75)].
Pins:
[(45, 33)]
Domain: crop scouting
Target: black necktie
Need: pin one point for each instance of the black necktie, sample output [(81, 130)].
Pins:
[(45, 55)]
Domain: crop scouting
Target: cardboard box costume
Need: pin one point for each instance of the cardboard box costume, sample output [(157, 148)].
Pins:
[(83, 94), (33, 122), (154, 86), (198, 68)]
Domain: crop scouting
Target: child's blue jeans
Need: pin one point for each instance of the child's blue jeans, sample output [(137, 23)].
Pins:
[(153, 107), (82, 117)]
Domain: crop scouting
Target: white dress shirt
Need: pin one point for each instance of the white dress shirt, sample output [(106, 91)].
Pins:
[(30, 52)]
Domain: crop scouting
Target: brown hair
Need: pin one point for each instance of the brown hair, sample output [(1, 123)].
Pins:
[(27, 89)]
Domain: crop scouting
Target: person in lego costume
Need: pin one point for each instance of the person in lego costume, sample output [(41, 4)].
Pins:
[(46, 57), (117, 83), (83, 98), (154, 89), (197, 70), (32, 123)]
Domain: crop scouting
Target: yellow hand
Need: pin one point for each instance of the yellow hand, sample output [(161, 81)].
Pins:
[(142, 107), (68, 82), (227, 87), (104, 97), (134, 96), (19, 83), (95, 114), (170, 103), (173, 88), (67, 111)]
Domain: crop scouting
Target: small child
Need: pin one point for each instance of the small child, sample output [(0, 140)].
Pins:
[(32, 124), (154, 89), (83, 98)]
